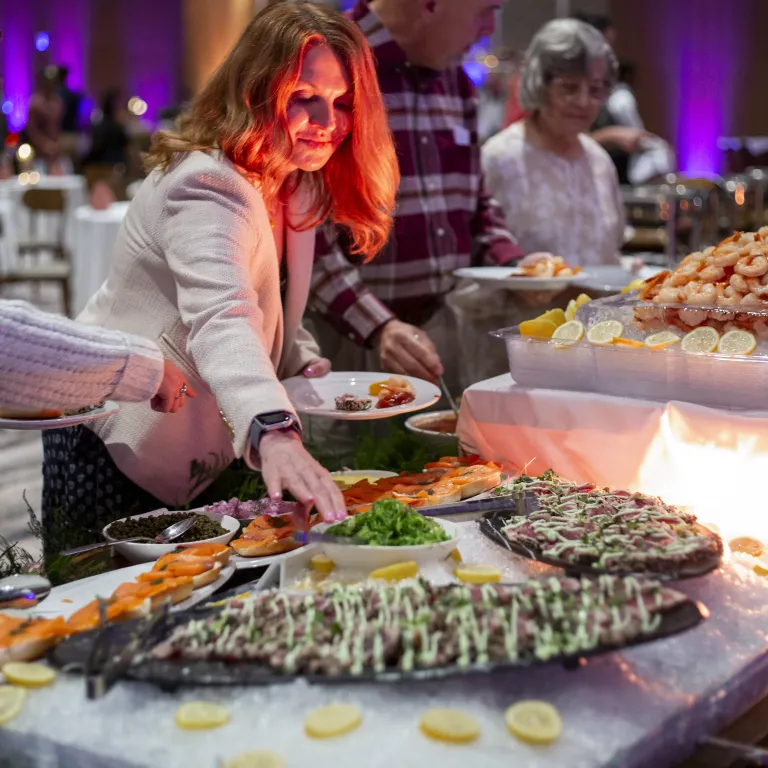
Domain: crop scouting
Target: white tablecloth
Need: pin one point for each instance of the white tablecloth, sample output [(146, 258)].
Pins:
[(75, 190), (95, 235), (8, 238), (687, 454)]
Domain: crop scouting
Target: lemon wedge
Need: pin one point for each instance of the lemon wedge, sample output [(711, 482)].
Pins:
[(635, 285), (700, 340), (556, 316), (737, 343), (569, 332), (605, 333), (28, 675), (534, 722), (322, 564), (11, 701), (582, 299), (478, 574), (449, 725), (747, 545), (396, 571), (333, 720), (661, 339), (570, 310), (256, 758), (456, 556), (538, 327), (199, 715)]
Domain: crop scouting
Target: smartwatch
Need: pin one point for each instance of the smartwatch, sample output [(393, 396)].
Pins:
[(271, 422)]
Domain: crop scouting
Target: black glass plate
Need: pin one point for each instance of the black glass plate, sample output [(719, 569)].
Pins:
[(171, 674), (492, 524)]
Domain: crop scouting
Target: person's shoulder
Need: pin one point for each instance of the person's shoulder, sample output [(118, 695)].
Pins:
[(208, 170), (507, 143)]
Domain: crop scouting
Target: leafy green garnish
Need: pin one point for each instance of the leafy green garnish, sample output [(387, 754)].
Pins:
[(390, 523)]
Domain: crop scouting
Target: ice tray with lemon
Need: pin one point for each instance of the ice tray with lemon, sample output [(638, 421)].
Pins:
[(597, 346)]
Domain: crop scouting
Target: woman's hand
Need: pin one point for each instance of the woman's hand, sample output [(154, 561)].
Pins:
[(287, 465), (317, 368), (407, 350), (173, 391)]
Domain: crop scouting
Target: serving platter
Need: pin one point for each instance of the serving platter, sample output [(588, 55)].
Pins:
[(171, 674), (61, 421), (492, 526)]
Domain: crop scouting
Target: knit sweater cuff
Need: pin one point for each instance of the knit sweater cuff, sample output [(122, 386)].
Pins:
[(140, 378)]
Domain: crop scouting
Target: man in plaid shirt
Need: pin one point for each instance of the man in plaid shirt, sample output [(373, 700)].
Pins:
[(391, 314)]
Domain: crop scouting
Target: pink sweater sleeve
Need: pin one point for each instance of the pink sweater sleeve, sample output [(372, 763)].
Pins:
[(49, 361)]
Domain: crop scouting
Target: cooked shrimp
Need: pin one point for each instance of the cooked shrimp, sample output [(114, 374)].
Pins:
[(700, 295), (726, 257), (750, 301), (757, 287), (754, 265), (669, 295), (693, 317), (711, 274), (739, 283)]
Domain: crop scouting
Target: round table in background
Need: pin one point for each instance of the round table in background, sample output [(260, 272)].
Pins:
[(95, 235)]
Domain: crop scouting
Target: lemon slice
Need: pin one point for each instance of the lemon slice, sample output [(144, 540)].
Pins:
[(570, 310), (737, 343), (256, 758), (477, 574), (28, 675), (333, 720), (199, 715), (11, 701), (456, 556), (629, 343), (700, 340), (323, 564), (449, 725), (747, 545), (605, 333), (538, 327), (661, 339), (534, 722), (571, 331), (396, 571)]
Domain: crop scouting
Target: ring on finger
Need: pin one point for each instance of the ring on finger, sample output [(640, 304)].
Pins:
[(184, 389)]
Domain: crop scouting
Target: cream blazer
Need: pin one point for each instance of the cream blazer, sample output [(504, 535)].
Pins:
[(195, 268)]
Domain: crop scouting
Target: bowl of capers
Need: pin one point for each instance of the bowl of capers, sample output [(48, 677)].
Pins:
[(209, 528)]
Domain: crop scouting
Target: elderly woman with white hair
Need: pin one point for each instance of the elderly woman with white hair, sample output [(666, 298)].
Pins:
[(558, 187)]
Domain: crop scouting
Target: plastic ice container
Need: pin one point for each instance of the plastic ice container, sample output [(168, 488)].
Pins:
[(665, 374)]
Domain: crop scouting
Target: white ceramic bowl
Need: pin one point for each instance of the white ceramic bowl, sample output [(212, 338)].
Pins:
[(419, 426), (367, 558), (139, 552)]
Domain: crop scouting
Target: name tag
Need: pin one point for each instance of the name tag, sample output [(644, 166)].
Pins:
[(461, 136)]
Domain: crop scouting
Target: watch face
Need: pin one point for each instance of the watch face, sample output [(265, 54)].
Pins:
[(270, 419)]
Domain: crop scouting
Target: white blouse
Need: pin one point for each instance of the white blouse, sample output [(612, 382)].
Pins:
[(571, 208)]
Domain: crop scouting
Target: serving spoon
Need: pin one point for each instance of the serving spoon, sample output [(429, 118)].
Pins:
[(23, 590), (164, 537)]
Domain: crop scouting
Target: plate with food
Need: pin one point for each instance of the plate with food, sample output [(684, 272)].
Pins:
[(390, 532), (208, 529), (389, 632), (54, 418), (586, 529), (360, 396), (543, 275)]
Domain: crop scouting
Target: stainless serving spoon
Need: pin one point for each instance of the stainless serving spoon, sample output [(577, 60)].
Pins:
[(23, 591), (164, 537)]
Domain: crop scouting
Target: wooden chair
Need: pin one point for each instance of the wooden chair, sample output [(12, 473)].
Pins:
[(59, 270)]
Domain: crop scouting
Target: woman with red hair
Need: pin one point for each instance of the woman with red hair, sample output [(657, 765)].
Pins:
[(213, 262)]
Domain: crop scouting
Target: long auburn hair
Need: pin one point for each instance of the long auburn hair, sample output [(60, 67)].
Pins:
[(243, 111)]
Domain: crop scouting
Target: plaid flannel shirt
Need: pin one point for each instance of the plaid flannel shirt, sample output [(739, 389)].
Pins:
[(445, 219)]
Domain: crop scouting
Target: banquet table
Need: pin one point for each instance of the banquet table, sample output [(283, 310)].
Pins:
[(646, 706), (74, 188), (95, 235)]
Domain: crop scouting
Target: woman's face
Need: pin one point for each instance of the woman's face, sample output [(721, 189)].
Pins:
[(573, 101), (320, 109)]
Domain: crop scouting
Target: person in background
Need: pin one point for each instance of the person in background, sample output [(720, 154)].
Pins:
[(49, 362), (43, 128), (109, 139), (70, 117), (392, 314), (213, 262), (557, 186)]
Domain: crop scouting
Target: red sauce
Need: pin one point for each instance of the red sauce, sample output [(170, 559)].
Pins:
[(398, 398)]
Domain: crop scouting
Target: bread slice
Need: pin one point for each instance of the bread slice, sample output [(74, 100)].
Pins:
[(262, 548), (119, 609), (13, 413)]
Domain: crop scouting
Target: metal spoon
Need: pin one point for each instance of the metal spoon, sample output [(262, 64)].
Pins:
[(169, 534), (448, 396), (23, 591)]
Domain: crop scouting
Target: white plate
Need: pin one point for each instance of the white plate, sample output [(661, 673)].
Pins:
[(317, 397), (68, 598), (145, 553), (367, 558), (510, 277), (241, 562), (62, 421)]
